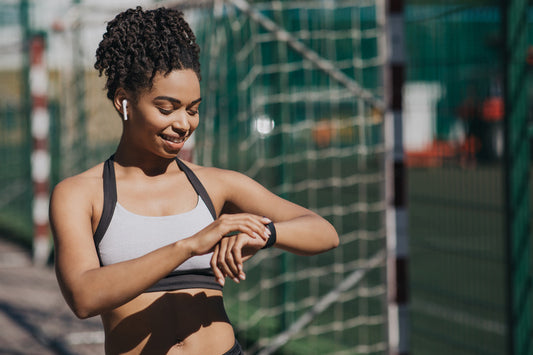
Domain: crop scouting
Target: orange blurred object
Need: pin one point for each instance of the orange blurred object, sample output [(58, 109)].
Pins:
[(440, 150), (493, 109)]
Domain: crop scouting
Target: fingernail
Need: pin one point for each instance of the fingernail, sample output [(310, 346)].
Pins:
[(267, 231), (242, 276), (266, 220), (221, 281), (236, 280), (239, 267)]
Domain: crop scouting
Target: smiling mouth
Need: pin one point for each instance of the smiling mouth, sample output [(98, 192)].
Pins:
[(173, 139)]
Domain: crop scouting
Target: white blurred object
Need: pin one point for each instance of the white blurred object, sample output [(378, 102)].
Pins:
[(420, 113), (264, 125)]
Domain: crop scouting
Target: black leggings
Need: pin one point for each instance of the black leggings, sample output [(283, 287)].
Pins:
[(235, 350)]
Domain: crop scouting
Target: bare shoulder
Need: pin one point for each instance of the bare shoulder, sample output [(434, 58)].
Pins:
[(85, 183), (235, 191), (81, 191), (229, 186), (217, 177)]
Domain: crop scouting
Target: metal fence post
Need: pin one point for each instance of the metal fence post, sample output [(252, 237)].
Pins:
[(79, 87), (392, 17), (40, 157), (35, 106), (516, 172)]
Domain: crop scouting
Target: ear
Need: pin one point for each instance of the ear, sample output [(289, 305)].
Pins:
[(120, 95)]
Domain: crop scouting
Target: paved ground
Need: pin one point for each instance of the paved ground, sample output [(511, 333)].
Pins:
[(34, 318)]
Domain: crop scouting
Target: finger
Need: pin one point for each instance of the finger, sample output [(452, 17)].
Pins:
[(255, 228), (237, 256), (230, 260), (261, 228), (221, 261), (250, 247), (250, 224), (219, 276)]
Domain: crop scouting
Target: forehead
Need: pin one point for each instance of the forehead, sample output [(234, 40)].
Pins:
[(180, 84)]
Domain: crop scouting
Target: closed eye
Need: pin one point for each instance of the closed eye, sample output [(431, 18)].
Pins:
[(164, 112)]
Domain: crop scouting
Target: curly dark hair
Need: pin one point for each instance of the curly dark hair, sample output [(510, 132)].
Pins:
[(139, 44)]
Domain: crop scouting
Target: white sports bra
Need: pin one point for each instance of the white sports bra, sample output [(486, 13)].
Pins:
[(122, 235)]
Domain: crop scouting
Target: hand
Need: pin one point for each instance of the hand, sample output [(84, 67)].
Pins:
[(230, 254), (247, 224)]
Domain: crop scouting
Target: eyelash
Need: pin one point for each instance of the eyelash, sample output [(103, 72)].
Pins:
[(168, 112)]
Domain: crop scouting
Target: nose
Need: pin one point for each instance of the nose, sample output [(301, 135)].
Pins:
[(181, 122)]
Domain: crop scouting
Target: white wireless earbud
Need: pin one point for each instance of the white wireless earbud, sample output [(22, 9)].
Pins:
[(125, 109)]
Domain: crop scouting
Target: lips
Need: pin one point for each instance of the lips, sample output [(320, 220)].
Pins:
[(173, 139)]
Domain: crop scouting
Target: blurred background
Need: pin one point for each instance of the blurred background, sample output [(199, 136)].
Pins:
[(407, 124)]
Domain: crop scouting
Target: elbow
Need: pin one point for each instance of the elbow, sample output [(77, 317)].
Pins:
[(329, 241), (82, 307), (332, 238), (328, 238), (81, 313), (84, 312), (85, 302), (335, 241)]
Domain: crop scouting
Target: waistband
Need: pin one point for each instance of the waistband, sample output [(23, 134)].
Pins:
[(186, 279)]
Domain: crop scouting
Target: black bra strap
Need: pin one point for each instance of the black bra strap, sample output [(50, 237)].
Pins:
[(110, 196), (198, 187), (110, 200)]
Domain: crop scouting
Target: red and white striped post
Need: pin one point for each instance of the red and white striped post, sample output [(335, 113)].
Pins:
[(396, 214), (40, 157)]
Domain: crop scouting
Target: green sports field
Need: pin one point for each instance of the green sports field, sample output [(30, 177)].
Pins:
[(457, 268)]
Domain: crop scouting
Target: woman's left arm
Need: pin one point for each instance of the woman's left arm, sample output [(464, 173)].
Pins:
[(299, 230)]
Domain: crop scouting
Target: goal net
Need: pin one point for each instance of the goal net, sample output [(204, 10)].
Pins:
[(291, 91)]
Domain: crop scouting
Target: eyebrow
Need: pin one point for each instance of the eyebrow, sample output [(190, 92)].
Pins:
[(171, 99)]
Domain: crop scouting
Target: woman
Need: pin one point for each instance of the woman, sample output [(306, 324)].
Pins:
[(145, 240)]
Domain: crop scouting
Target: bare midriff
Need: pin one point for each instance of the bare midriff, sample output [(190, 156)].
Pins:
[(189, 321)]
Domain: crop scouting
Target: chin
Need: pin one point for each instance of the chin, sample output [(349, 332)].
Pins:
[(170, 155), (165, 154)]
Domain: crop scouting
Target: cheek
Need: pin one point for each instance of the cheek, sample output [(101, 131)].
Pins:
[(150, 120), (194, 121), (146, 127)]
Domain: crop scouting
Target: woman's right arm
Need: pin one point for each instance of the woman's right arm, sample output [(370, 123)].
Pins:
[(90, 289)]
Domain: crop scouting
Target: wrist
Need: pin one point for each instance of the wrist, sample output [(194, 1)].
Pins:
[(273, 236), (185, 246)]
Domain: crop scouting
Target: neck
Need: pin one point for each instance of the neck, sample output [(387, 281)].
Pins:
[(141, 161)]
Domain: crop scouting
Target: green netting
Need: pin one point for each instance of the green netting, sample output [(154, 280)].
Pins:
[(15, 181), (457, 207), (83, 128), (271, 112)]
